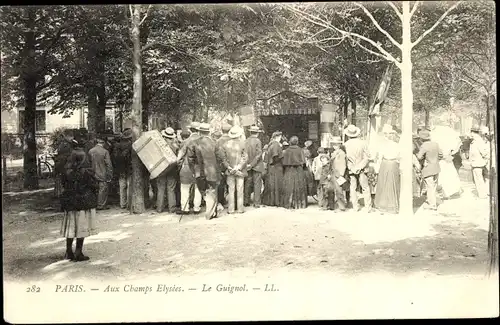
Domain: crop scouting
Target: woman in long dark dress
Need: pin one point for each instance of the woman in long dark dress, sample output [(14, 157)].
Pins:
[(79, 202), (388, 183), (295, 183), (273, 193)]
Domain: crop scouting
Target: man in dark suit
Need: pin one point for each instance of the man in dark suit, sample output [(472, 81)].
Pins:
[(431, 153), (221, 192), (255, 167), (203, 164), (186, 176), (103, 170), (123, 161)]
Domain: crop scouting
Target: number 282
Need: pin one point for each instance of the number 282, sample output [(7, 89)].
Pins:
[(33, 288)]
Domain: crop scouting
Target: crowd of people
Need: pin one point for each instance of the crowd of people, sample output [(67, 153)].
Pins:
[(227, 170)]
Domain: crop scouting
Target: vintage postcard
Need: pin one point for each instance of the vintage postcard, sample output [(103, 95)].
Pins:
[(249, 161)]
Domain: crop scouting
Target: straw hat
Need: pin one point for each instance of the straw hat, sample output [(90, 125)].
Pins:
[(485, 130), (235, 132), (194, 125), (388, 129), (203, 127), (254, 129), (168, 133), (352, 131), (336, 140), (424, 135), (276, 134)]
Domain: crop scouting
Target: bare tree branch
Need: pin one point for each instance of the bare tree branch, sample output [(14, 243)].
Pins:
[(383, 31), (414, 9), (370, 51), (435, 25), (396, 10), (318, 21), (145, 15), (131, 11), (316, 34), (309, 41)]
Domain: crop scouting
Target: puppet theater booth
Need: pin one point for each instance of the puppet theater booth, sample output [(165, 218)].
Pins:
[(290, 113)]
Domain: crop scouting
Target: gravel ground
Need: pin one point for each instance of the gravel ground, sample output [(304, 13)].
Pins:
[(451, 242)]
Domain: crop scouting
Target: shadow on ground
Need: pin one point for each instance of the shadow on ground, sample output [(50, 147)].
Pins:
[(454, 250)]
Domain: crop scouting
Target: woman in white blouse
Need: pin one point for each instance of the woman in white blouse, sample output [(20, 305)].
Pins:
[(388, 182)]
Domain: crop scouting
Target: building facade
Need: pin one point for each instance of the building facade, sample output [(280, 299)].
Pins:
[(46, 123)]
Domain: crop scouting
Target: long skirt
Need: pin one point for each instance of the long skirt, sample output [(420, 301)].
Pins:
[(311, 184), (448, 179), (273, 192), (295, 188), (78, 224), (388, 187)]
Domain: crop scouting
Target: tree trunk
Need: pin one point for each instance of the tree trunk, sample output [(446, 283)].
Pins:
[(30, 161), (406, 145), (177, 111), (229, 98), (352, 99), (146, 114), (493, 227), (92, 110), (29, 83), (137, 205), (426, 118), (101, 107)]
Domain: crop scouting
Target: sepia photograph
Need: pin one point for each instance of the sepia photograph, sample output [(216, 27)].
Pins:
[(249, 161)]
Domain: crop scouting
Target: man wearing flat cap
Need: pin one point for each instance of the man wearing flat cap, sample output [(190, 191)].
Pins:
[(103, 170), (253, 181), (431, 154)]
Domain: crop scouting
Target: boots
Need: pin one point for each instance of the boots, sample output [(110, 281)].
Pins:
[(69, 249), (78, 251)]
